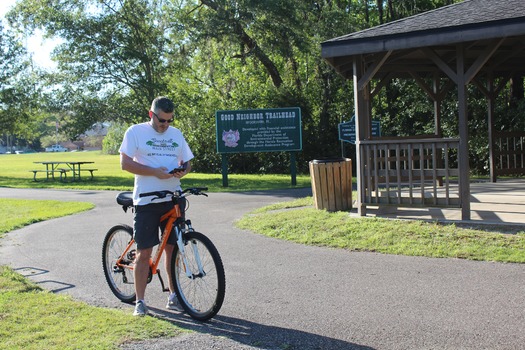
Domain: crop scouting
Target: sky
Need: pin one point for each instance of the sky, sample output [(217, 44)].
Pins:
[(36, 45)]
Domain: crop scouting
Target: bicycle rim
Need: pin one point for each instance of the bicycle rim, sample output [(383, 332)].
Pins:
[(120, 280), (201, 295)]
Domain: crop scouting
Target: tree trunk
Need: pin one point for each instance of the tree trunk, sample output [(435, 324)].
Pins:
[(516, 87), (380, 11), (248, 42)]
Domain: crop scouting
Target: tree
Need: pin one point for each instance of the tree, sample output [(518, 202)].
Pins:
[(252, 54), (13, 91), (210, 55), (113, 139), (112, 61)]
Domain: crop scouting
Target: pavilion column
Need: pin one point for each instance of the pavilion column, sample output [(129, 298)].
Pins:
[(362, 128), (438, 99), (463, 159), (490, 107), (491, 92), (437, 106)]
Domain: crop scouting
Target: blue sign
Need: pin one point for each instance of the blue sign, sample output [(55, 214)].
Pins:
[(347, 130)]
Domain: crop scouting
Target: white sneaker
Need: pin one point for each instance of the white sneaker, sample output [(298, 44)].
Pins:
[(140, 309), (173, 304)]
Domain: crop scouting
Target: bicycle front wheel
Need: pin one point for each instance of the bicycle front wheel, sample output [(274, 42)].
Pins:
[(120, 279), (198, 277)]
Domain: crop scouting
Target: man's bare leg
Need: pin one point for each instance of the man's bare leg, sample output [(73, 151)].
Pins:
[(141, 271)]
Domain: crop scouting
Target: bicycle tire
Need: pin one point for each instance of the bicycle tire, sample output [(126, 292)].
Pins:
[(120, 281), (202, 295)]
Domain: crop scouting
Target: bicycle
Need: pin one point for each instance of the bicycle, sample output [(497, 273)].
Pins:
[(197, 269)]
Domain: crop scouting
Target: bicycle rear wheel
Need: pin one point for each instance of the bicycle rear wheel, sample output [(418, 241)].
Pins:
[(202, 293), (120, 280)]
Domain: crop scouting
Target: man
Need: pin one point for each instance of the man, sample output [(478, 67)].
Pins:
[(151, 150)]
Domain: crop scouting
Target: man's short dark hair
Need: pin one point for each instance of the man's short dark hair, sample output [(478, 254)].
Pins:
[(162, 103)]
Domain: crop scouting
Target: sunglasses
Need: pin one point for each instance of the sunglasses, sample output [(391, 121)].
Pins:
[(162, 120)]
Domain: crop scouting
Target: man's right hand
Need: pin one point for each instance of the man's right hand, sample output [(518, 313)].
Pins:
[(127, 163)]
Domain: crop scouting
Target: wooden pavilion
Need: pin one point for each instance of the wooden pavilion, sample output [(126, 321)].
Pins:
[(477, 42)]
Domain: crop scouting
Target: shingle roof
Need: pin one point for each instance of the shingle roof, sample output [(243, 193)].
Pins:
[(465, 21)]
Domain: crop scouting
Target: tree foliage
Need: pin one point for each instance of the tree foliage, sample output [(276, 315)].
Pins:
[(111, 59), (115, 56), (13, 105)]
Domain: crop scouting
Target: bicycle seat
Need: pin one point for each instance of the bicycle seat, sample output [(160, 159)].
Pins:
[(125, 199)]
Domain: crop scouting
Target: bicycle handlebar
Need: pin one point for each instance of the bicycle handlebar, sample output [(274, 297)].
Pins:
[(197, 191)]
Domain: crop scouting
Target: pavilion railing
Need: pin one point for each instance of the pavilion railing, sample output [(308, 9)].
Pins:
[(410, 172), (509, 153)]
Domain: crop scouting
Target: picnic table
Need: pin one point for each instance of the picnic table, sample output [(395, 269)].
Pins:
[(52, 167), (77, 172)]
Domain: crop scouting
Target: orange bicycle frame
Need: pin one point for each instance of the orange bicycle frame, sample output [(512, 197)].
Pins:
[(172, 215)]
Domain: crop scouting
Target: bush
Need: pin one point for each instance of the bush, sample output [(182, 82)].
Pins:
[(113, 139)]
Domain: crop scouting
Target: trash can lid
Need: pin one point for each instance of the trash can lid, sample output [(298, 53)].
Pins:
[(328, 160)]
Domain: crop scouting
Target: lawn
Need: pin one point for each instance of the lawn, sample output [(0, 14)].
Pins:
[(15, 170), (33, 318), (303, 224), (17, 213)]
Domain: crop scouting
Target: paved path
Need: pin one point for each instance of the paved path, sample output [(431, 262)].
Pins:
[(283, 295)]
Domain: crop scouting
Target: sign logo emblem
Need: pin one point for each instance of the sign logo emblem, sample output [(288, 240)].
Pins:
[(231, 138)]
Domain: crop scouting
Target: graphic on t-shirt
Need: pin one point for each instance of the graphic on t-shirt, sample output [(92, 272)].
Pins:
[(162, 144)]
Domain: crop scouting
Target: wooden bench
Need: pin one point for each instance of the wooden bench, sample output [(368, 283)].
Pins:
[(63, 173)]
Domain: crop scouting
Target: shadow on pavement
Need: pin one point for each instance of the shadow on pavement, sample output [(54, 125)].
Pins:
[(246, 334), (51, 285)]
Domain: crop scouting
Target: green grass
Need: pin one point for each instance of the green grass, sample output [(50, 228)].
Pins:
[(15, 172), (307, 225), (36, 319), (17, 213), (32, 318)]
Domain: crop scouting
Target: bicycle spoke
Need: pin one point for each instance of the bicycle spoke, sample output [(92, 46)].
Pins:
[(120, 279), (201, 294)]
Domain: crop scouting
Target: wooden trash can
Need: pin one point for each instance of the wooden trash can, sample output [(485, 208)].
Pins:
[(332, 183)]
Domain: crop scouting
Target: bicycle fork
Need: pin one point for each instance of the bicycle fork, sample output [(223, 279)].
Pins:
[(180, 243), (195, 249)]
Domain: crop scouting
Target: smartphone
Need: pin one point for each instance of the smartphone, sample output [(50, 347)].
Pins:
[(181, 168)]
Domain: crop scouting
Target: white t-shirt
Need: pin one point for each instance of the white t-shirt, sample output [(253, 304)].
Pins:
[(148, 147)]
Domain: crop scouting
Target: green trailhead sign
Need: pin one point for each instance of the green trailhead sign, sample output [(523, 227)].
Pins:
[(259, 130)]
